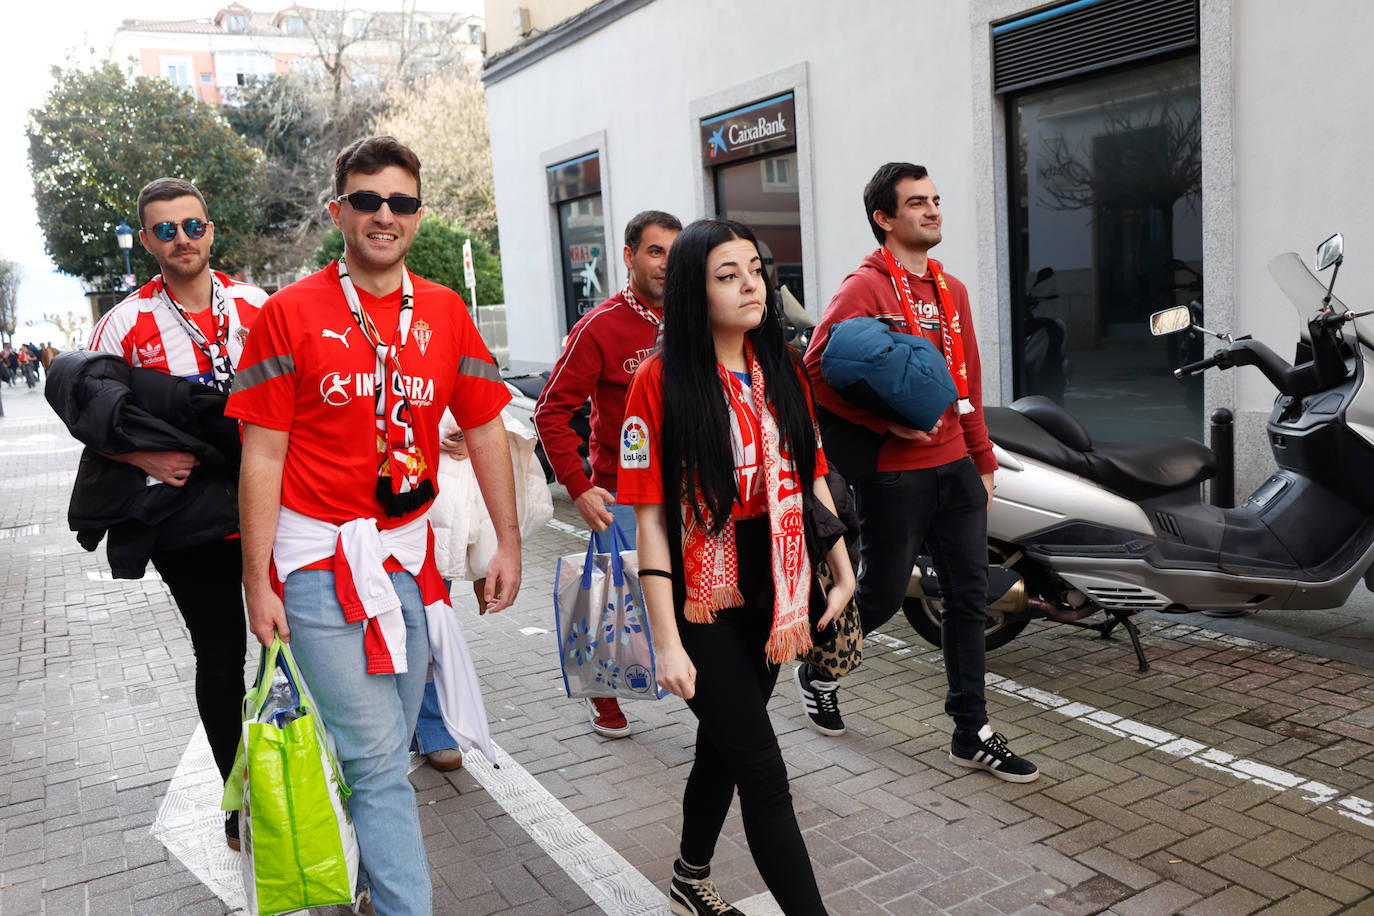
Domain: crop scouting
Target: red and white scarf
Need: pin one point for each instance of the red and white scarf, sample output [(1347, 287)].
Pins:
[(710, 562), (218, 349), (951, 334), (405, 481), (643, 312)]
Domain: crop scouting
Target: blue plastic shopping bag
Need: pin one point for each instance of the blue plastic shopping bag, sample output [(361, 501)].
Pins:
[(604, 643)]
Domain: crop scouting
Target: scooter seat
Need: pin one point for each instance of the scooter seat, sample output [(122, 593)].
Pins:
[(1038, 428)]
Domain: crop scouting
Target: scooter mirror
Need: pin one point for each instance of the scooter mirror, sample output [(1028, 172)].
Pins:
[(1330, 252), (1170, 321)]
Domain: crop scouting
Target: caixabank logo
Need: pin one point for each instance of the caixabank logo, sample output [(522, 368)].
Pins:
[(634, 443)]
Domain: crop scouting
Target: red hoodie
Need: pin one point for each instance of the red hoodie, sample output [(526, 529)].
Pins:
[(868, 293), (604, 349)]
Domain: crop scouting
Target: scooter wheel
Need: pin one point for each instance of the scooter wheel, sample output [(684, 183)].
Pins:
[(924, 616)]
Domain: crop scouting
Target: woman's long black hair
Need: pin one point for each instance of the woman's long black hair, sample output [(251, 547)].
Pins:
[(696, 422)]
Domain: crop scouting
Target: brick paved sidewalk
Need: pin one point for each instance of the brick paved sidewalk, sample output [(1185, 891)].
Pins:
[(1233, 778)]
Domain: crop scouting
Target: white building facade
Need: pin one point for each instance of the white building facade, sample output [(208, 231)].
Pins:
[(213, 58), (1146, 152)]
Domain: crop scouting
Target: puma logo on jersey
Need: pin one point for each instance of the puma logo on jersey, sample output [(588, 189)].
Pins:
[(341, 338)]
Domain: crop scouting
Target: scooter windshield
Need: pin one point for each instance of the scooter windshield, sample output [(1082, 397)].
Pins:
[(1306, 291)]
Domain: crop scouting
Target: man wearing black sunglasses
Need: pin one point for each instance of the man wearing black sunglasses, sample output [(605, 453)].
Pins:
[(343, 384), (190, 321)]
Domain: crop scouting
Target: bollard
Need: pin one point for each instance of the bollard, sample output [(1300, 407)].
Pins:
[(1224, 447)]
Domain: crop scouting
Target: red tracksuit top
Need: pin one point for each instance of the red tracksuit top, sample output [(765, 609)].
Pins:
[(604, 349), (868, 292)]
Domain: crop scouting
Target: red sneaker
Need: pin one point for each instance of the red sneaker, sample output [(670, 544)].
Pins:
[(606, 718)]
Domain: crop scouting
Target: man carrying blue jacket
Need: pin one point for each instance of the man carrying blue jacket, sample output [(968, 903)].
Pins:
[(926, 487)]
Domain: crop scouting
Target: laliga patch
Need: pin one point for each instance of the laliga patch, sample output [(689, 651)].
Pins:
[(634, 444)]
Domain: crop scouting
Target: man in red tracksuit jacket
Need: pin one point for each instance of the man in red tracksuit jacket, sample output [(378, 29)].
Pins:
[(604, 349), (929, 487)]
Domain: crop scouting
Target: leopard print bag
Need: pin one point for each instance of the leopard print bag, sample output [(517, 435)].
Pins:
[(839, 648)]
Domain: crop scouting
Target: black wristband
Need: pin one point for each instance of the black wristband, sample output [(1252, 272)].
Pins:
[(656, 572)]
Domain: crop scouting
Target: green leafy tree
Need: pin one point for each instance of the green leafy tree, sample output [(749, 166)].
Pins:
[(101, 135), (437, 255)]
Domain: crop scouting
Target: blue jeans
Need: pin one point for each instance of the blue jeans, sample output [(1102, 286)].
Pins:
[(430, 734), (371, 717)]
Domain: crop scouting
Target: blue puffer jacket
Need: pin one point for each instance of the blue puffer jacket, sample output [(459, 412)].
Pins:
[(897, 376)]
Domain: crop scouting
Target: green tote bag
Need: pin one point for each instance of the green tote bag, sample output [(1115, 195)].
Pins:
[(299, 848)]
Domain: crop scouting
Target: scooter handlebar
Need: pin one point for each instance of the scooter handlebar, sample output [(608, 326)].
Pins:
[(1201, 365)]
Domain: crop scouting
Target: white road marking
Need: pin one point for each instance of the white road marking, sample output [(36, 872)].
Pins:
[(21, 531), (1352, 806), (191, 826), (560, 525), (607, 877), (103, 575)]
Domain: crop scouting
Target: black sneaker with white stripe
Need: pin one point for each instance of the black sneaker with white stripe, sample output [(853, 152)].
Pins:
[(987, 750), (693, 893), (820, 699)]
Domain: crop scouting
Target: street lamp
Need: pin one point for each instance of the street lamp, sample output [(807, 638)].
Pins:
[(125, 235)]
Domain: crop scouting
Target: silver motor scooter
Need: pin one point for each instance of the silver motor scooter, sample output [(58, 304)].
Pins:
[(1079, 528)]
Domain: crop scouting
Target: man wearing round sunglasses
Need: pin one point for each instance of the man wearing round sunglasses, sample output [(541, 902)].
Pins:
[(343, 384), (190, 321)]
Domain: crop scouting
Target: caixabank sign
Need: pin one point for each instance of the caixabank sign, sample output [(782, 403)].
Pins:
[(759, 127)]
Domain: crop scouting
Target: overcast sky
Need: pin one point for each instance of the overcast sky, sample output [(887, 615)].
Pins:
[(45, 34)]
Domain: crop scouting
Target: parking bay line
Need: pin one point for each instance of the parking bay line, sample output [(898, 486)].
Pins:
[(1358, 809)]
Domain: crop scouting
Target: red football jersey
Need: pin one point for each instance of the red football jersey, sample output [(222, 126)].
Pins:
[(146, 332), (308, 369), (640, 475)]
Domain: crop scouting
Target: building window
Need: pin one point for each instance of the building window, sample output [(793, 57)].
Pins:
[(780, 173), (575, 192), (295, 25), (475, 34), (1106, 222), (206, 77), (751, 152), (236, 23), (178, 71), (358, 27), (236, 69), (419, 31)]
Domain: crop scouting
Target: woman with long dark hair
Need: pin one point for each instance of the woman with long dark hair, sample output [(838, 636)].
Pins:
[(718, 446)]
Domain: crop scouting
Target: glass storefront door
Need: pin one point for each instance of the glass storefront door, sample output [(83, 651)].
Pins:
[(1106, 222), (575, 192), (583, 233)]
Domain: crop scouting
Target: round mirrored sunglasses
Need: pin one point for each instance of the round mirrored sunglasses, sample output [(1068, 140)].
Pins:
[(167, 230)]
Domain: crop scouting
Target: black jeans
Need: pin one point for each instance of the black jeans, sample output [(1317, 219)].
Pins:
[(206, 584), (944, 508), (736, 746)]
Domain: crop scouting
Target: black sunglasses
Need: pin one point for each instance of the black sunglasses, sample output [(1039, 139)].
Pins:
[(194, 229), (371, 202)]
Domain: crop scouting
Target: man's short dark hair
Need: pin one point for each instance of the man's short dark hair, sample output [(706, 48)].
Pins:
[(634, 229), (168, 189), (881, 192), (372, 154)]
